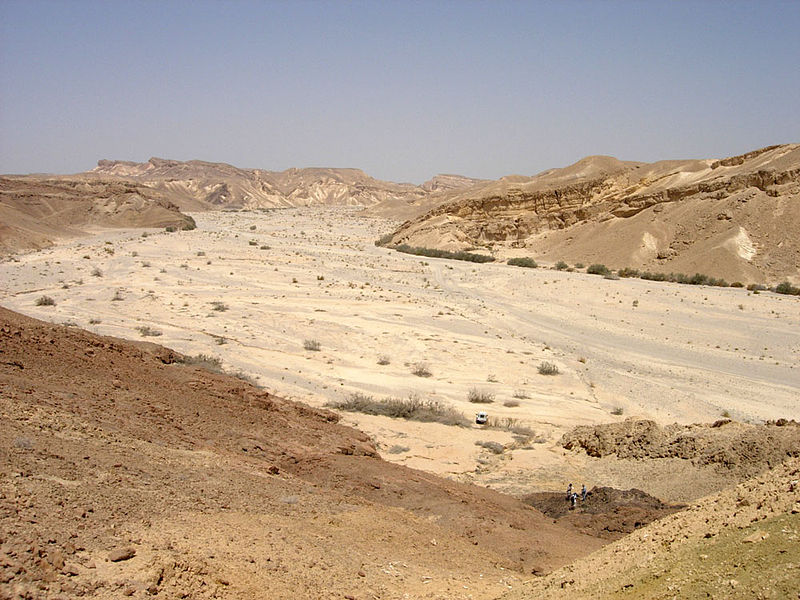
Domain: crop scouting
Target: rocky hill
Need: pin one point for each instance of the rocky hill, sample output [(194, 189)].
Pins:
[(36, 210), (199, 185), (128, 470), (737, 218)]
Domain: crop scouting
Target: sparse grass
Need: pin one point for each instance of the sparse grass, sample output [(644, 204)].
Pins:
[(477, 396), (412, 408), (548, 368), (147, 331), (435, 253), (45, 301), (522, 261), (726, 414), (511, 403), (312, 345), (493, 447), (219, 306), (421, 369), (512, 424), (384, 359)]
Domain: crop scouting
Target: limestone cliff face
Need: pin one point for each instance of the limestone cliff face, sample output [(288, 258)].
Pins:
[(737, 218)]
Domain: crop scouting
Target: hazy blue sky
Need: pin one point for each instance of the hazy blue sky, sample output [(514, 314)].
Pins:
[(402, 90)]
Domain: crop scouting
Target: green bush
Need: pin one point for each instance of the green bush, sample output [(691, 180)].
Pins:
[(598, 269), (628, 272), (561, 265), (522, 261), (436, 253), (787, 288)]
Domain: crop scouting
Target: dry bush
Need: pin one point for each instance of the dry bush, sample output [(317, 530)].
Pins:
[(147, 331), (493, 447), (421, 369), (477, 396), (511, 403), (312, 345), (45, 301), (548, 368), (412, 408), (384, 359)]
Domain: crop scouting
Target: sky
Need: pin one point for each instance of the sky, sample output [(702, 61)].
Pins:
[(402, 90)]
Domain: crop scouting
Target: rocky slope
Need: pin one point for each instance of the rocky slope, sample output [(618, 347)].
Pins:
[(739, 543), (736, 218), (35, 210), (127, 470), (199, 185)]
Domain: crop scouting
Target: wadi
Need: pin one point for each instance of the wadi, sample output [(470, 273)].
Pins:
[(219, 382)]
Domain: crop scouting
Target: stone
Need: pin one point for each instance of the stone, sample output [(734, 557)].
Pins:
[(119, 554)]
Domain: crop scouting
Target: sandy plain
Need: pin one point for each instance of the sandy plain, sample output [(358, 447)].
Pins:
[(669, 352)]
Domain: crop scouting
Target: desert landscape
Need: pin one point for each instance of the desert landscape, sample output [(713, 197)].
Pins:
[(229, 383)]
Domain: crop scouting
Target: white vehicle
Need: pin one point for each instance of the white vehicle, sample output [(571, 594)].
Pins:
[(481, 418)]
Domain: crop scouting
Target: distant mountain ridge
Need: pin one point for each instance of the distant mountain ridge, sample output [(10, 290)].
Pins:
[(200, 185)]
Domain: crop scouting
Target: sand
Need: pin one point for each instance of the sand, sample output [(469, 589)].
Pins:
[(663, 351)]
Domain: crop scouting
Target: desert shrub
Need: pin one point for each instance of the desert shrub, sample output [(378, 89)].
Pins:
[(787, 288), (493, 447), (436, 253), (756, 287), (548, 368), (477, 396), (617, 411), (647, 275), (118, 297), (384, 239), (45, 301), (189, 225), (396, 449), (511, 424), (253, 243), (511, 403), (252, 227), (94, 321), (146, 264), (561, 265), (146, 331), (219, 306), (522, 261), (421, 369), (412, 408), (520, 393), (312, 345), (628, 272), (200, 253), (264, 247), (384, 359), (737, 284), (96, 272), (206, 361), (579, 265), (598, 269), (171, 229)]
